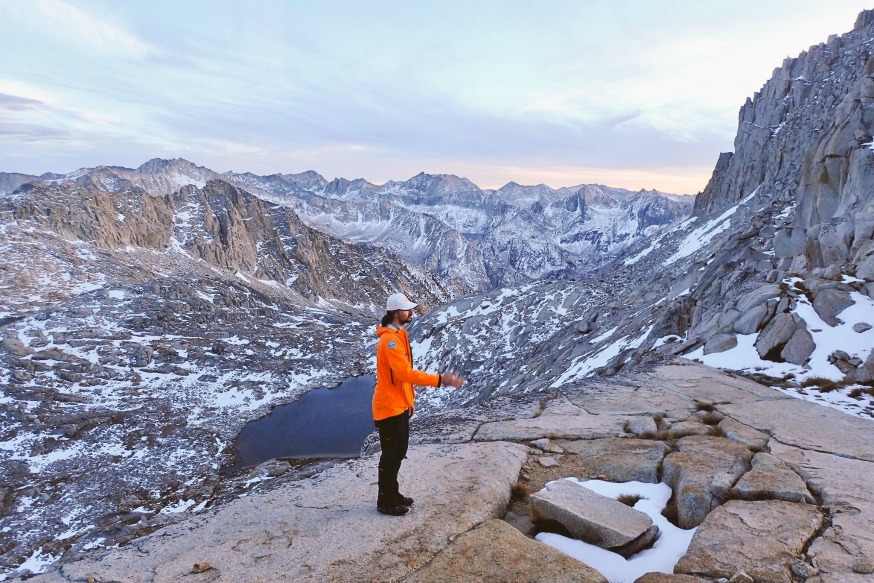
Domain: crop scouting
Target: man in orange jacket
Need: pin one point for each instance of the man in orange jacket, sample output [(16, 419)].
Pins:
[(394, 399)]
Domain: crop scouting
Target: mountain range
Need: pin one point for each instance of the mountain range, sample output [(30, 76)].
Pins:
[(478, 239)]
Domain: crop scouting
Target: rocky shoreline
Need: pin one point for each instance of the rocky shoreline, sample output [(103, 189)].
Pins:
[(777, 487)]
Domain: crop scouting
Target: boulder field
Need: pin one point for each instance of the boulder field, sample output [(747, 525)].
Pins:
[(779, 490)]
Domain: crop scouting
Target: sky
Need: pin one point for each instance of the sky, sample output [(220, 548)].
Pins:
[(626, 93)]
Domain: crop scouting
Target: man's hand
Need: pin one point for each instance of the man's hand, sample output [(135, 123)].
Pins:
[(452, 379)]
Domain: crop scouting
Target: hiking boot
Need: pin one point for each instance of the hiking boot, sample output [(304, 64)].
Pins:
[(404, 500), (393, 510)]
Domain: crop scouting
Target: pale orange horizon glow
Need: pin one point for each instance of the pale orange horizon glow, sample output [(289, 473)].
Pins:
[(671, 180), (675, 180)]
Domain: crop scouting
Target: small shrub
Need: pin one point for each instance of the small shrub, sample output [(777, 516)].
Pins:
[(702, 406), (855, 394)]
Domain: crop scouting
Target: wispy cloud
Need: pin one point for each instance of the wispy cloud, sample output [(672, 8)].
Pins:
[(16, 103), (63, 23), (31, 131), (384, 90)]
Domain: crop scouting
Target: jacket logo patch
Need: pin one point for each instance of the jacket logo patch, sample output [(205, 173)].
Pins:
[(392, 344)]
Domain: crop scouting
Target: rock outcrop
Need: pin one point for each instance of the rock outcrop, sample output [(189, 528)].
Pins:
[(324, 526)]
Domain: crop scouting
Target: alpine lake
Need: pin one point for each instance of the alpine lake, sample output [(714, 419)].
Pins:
[(323, 423)]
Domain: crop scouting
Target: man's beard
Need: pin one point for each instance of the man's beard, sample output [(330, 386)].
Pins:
[(408, 319)]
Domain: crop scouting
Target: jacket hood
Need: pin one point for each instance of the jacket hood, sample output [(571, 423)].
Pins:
[(382, 330)]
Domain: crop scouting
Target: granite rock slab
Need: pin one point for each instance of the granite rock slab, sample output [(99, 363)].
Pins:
[(790, 421), (325, 528), (702, 474), (761, 539), (589, 516), (495, 551), (846, 546), (620, 459), (771, 478)]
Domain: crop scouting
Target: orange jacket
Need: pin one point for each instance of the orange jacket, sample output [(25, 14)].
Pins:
[(395, 375)]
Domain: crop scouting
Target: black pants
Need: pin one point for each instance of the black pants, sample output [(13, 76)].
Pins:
[(394, 438)]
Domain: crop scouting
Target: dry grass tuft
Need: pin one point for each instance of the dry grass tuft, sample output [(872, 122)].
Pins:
[(519, 491), (711, 418), (825, 385), (629, 499), (704, 406), (858, 392)]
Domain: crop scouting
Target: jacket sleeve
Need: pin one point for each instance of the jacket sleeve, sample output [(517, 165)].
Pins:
[(405, 373)]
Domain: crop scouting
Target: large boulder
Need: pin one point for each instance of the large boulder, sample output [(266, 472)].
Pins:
[(799, 348), (829, 303), (757, 297), (762, 539), (702, 474), (775, 335), (754, 319), (784, 338), (594, 518), (720, 343)]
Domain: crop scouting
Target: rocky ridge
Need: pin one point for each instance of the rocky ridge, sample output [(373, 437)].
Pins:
[(219, 225), (488, 238)]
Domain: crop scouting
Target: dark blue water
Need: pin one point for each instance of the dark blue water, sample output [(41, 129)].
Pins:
[(324, 423)]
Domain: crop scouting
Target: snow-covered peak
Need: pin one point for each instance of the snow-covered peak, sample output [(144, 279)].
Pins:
[(437, 184)]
